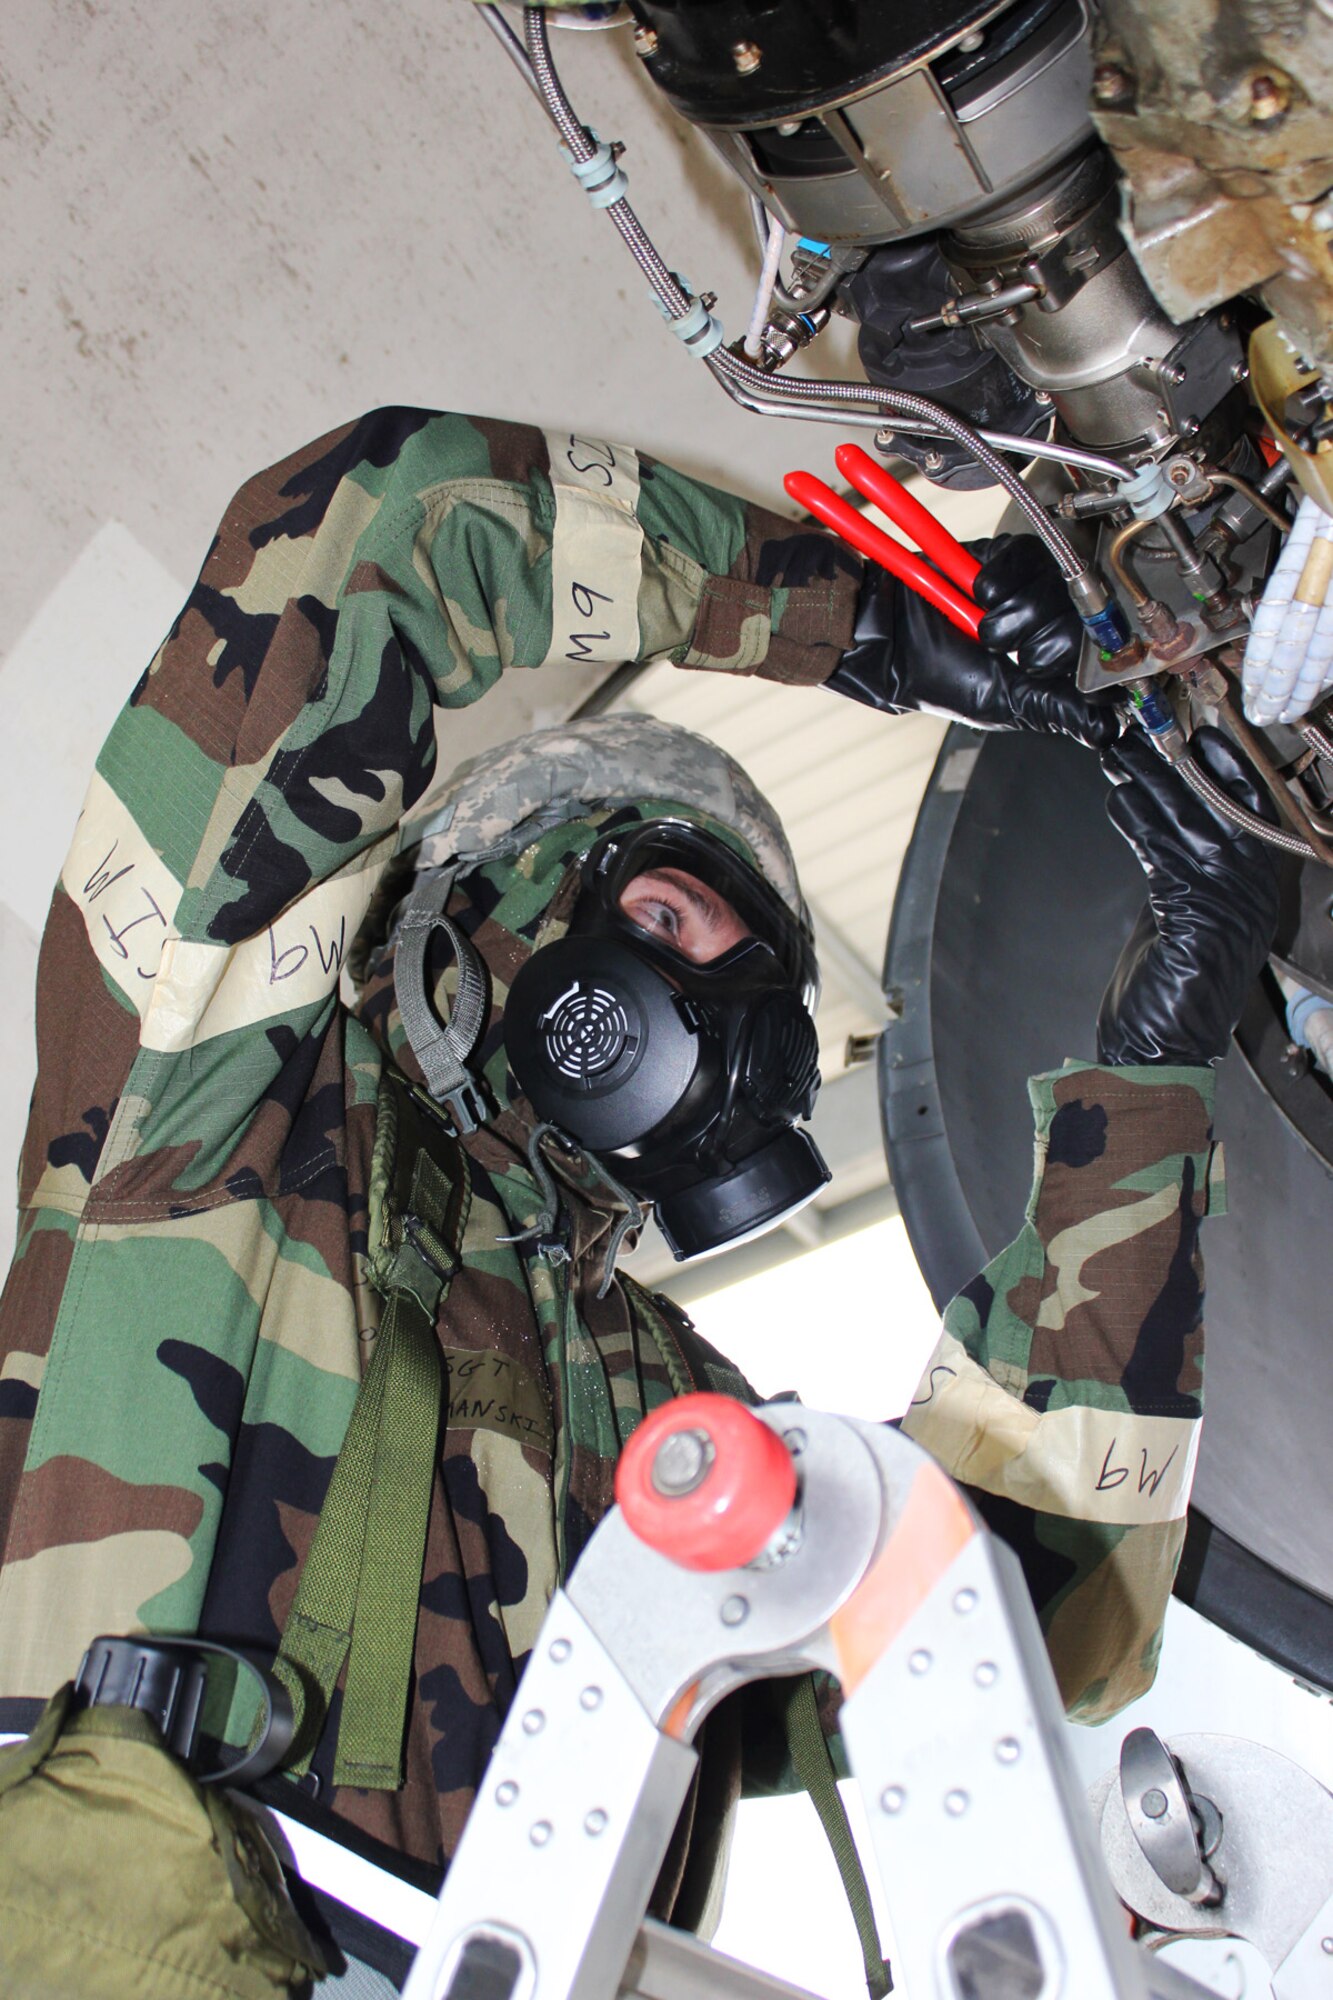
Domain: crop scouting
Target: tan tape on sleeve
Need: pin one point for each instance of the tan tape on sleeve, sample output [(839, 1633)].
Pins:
[(597, 551), (187, 990), (1085, 1464)]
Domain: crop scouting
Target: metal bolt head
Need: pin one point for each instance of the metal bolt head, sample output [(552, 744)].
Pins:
[(970, 43), (1042, 396), (788, 128), (884, 439), (1269, 98), (735, 1610), (682, 1462), (645, 40), (1110, 84), (747, 57), (933, 461), (1154, 1804), (1240, 373)]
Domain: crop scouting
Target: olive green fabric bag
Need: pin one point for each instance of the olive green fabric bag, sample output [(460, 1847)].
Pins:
[(121, 1878)]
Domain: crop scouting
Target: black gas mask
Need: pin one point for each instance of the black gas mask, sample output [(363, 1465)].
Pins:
[(687, 1079)]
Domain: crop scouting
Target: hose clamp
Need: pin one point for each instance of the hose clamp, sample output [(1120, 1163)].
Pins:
[(698, 331), (601, 179), (1147, 492)]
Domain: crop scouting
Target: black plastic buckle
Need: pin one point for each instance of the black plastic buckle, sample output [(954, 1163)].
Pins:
[(167, 1680), (467, 1107)]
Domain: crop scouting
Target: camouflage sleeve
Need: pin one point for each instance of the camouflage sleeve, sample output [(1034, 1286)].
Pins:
[(1066, 1388)]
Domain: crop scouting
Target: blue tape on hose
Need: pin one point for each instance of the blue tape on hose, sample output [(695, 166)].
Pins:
[(1108, 628), (1154, 713)]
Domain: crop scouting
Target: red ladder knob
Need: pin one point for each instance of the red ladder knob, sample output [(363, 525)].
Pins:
[(704, 1482)]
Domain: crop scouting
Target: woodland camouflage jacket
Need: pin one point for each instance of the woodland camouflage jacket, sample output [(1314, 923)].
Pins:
[(190, 1306)]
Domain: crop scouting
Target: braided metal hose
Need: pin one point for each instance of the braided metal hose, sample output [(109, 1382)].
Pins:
[(1225, 807), (674, 299)]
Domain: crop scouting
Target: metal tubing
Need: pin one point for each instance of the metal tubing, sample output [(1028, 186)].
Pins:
[(1115, 557), (1254, 496), (860, 419), (1300, 820), (495, 20), (891, 400)]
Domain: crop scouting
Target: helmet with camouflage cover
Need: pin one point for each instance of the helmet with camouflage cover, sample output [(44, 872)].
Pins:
[(683, 1078)]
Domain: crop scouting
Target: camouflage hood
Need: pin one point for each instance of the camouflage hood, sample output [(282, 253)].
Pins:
[(515, 822)]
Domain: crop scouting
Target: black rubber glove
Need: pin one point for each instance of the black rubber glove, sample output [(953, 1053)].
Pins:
[(905, 657), (1202, 939), (1028, 609)]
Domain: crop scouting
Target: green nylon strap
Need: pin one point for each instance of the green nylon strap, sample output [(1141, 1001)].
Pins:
[(357, 1598), (814, 1767), (360, 1585)]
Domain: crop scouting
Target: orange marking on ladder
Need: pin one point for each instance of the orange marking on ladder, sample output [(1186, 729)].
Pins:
[(934, 1526)]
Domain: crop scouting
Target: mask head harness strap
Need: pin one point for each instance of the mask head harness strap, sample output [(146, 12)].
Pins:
[(444, 1048)]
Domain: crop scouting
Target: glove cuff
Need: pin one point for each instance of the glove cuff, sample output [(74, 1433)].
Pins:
[(867, 671)]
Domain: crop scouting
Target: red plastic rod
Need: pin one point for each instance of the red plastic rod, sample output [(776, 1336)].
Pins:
[(704, 1482), (877, 483), (868, 540)]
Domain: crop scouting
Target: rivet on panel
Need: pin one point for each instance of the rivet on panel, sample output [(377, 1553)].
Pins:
[(919, 1662), (591, 1697), (534, 1722), (560, 1651), (893, 1798), (540, 1832), (506, 1793), (956, 1803)]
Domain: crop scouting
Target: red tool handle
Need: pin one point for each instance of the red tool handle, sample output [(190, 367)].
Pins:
[(877, 483), (868, 540)]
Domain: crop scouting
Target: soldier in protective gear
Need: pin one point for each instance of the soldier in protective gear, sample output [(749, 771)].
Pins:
[(252, 1233)]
